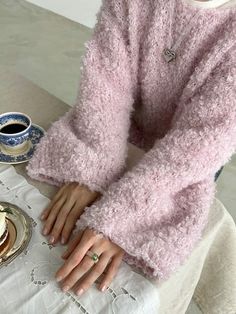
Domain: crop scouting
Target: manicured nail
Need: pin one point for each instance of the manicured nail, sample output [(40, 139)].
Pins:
[(58, 278), (52, 239), (103, 288), (65, 288), (42, 216), (64, 254), (80, 291), (45, 231)]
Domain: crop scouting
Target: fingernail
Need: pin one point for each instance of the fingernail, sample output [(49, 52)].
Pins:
[(58, 278), (103, 288), (51, 240), (45, 231), (80, 291), (64, 254), (65, 288), (63, 240), (42, 216)]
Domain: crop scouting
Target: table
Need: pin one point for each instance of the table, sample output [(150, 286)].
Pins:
[(208, 275)]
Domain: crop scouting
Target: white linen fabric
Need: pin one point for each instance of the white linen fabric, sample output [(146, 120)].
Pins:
[(28, 284)]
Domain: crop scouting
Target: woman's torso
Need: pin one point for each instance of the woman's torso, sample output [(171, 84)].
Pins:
[(162, 85)]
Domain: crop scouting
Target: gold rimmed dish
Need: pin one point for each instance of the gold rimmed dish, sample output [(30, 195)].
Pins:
[(19, 233)]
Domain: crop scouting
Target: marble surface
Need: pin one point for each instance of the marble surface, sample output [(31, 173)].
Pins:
[(47, 48), (43, 46), (81, 11)]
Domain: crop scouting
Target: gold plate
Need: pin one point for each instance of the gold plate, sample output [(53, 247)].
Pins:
[(20, 232), (10, 240)]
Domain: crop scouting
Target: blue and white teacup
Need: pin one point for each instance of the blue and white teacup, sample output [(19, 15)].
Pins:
[(14, 132)]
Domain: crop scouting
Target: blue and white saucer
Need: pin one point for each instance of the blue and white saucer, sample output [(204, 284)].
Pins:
[(36, 133)]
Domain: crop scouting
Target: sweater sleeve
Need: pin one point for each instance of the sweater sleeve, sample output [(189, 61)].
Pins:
[(156, 212), (89, 143)]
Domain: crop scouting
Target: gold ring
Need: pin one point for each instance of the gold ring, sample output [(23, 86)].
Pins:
[(94, 256)]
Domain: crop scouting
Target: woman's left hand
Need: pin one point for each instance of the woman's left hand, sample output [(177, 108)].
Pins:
[(77, 264)]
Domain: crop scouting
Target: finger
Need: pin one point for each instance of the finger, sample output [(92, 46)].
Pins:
[(56, 197), (72, 244), (52, 215), (76, 257), (60, 220), (93, 275), (111, 272), (77, 273), (70, 222)]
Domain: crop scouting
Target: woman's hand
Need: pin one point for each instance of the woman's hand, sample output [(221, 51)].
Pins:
[(77, 264), (65, 208)]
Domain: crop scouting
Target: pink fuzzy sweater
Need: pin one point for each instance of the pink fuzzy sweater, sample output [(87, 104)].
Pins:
[(182, 113)]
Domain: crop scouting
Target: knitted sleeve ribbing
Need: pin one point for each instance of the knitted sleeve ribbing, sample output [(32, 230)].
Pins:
[(89, 144)]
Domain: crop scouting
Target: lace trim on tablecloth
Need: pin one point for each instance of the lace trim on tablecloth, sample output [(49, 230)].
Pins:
[(36, 266)]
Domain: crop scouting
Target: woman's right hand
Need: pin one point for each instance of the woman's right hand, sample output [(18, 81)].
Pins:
[(65, 208)]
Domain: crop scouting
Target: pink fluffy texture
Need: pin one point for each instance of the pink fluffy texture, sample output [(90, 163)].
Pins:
[(182, 113)]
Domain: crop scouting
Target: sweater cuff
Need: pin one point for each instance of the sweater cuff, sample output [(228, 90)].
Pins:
[(61, 157), (115, 218), (151, 226)]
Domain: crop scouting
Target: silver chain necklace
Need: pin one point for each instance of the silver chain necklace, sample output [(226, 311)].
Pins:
[(170, 53)]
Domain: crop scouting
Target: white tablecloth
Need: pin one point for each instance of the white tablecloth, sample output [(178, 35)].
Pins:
[(27, 285)]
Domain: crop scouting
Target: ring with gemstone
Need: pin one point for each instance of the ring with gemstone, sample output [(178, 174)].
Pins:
[(93, 256)]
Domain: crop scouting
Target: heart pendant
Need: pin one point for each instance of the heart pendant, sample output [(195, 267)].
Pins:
[(169, 54)]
